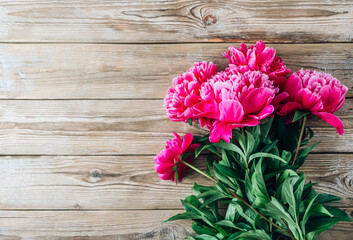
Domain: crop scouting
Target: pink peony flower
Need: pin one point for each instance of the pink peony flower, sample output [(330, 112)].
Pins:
[(315, 92), (181, 99), (257, 58), (171, 156), (236, 101)]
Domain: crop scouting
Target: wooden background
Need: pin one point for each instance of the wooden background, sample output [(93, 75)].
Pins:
[(81, 106)]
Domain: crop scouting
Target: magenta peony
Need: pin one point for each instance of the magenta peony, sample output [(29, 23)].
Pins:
[(236, 101), (182, 98), (257, 58), (315, 92), (171, 156)]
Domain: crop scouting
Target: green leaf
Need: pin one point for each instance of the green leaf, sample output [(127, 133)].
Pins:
[(211, 200), (277, 211), (225, 161), (211, 148), (208, 164), (202, 229), (231, 214), (206, 218), (339, 214), (299, 188), (269, 147), (319, 210), (326, 198), (259, 187), (277, 171), (242, 142), (229, 172), (240, 210), (286, 156), (307, 214), (312, 235), (202, 237), (210, 193), (182, 216), (298, 115), (227, 223), (250, 143), (221, 177), (190, 121), (251, 235), (266, 127), (230, 147), (266, 155), (248, 187), (287, 195)]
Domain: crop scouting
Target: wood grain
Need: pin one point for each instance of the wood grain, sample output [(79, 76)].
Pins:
[(98, 71), (106, 127), (111, 225), (176, 21), (106, 182)]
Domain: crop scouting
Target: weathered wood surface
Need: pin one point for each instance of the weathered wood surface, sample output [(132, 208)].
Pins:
[(176, 21), (99, 71), (106, 127), (105, 182), (81, 120), (108, 225)]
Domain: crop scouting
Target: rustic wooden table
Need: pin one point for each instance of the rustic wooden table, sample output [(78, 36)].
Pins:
[(81, 110)]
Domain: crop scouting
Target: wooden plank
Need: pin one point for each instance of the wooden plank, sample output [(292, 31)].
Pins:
[(130, 182), (111, 225), (72, 71), (106, 127), (176, 21)]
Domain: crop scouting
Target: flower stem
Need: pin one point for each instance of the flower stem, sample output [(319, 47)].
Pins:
[(300, 139), (199, 171), (237, 197)]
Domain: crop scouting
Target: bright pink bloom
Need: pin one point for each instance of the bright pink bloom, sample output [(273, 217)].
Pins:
[(171, 155), (257, 58), (181, 99), (315, 92), (236, 101)]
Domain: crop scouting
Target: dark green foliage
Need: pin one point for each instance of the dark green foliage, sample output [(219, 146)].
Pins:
[(256, 166)]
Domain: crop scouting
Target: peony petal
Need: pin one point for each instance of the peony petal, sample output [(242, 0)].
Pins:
[(332, 120), (290, 107), (191, 100), (293, 85), (207, 109), (187, 140), (310, 101), (164, 168), (278, 99), (192, 148), (256, 100), (230, 111), (267, 56), (172, 152), (252, 61), (248, 121), (330, 98), (267, 111), (166, 176), (177, 137), (239, 56), (220, 130)]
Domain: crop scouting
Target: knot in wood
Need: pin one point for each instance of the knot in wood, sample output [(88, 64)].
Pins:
[(210, 19), (95, 175)]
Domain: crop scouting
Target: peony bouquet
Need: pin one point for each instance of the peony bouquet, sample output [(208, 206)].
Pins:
[(256, 112)]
